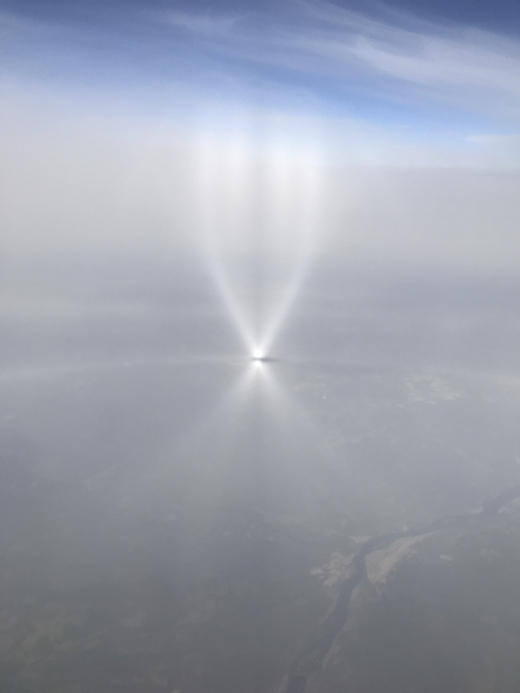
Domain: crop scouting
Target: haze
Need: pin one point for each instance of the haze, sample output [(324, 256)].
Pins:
[(259, 303)]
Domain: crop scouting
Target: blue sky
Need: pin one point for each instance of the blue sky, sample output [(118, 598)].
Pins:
[(437, 68), (497, 14), (134, 125)]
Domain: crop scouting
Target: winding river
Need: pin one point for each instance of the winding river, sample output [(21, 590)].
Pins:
[(312, 657)]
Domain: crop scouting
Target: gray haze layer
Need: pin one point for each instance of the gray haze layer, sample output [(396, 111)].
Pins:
[(177, 518)]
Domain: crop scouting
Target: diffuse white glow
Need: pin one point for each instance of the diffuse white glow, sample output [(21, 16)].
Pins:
[(222, 195), (261, 207), (298, 202)]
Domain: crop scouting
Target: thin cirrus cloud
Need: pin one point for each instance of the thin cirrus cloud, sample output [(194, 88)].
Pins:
[(395, 57), (316, 59), (341, 55), (94, 170), (377, 89)]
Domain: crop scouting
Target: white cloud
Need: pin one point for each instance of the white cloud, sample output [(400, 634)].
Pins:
[(293, 51), (470, 67), (204, 24)]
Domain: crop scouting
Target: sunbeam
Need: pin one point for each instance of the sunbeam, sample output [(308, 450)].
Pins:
[(259, 316), (257, 252), (228, 296), (221, 181), (223, 415), (295, 193)]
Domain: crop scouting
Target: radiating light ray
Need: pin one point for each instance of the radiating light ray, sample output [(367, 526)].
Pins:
[(282, 308), (228, 296), (224, 415), (296, 204), (223, 172), (286, 413), (204, 449), (289, 454), (266, 381), (222, 452), (259, 207), (261, 213), (281, 405), (228, 407)]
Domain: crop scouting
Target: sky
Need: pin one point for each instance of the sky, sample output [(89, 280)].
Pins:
[(155, 127), (432, 73), (187, 188)]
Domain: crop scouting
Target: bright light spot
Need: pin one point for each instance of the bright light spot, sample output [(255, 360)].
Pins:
[(259, 212)]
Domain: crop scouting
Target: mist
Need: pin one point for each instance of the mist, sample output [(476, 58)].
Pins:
[(260, 379)]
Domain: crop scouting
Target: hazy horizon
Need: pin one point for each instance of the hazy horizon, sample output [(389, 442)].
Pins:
[(260, 310)]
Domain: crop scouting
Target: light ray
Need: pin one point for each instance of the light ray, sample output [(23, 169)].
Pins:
[(258, 207), (295, 206), (227, 408), (204, 450), (223, 198), (228, 296)]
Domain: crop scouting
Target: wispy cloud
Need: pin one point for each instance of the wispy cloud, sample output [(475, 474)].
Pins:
[(381, 89), (204, 24), (336, 53), (393, 54)]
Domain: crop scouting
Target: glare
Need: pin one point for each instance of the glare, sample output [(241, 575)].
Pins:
[(258, 215)]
